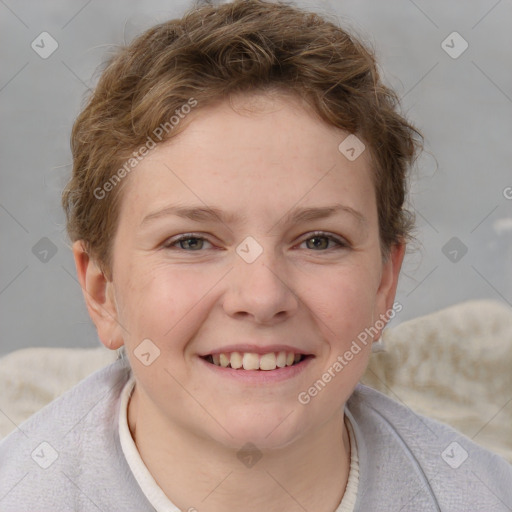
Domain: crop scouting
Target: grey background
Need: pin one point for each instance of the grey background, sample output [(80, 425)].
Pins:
[(463, 106)]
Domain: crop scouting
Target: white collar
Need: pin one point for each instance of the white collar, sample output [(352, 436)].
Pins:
[(161, 502)]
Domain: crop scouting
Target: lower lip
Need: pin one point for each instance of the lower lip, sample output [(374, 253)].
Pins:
[(259, 376)]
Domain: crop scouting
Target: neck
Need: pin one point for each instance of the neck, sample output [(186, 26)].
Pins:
[(199, 473)]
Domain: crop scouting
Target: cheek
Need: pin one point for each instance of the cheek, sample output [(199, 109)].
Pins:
[(343, 300), (160, 304)]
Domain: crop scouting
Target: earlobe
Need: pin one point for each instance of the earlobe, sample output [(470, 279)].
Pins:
[(99, 297), (389, 281), (390, 273)]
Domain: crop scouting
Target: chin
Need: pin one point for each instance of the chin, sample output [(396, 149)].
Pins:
[(268, 428)]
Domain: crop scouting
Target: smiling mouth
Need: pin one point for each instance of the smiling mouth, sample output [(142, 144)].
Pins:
[(253, 361)]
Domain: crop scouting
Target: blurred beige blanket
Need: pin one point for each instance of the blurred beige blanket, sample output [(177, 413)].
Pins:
[(454, 365)]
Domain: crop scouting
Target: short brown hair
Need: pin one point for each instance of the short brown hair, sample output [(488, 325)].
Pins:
[(209, 54)]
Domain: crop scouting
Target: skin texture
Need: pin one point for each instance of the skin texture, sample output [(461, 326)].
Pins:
[(258, 158)]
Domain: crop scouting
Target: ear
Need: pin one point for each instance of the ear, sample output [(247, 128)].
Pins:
[(99, 297), (388, 284)]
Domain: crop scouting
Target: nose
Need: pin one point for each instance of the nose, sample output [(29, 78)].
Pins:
[(260, 291)]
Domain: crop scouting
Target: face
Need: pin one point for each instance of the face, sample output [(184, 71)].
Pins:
[(247, 238)]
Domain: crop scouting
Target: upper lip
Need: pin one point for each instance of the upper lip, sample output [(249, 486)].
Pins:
[(255, 349)]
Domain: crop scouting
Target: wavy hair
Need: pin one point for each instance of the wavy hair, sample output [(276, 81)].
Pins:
[(211, 53)]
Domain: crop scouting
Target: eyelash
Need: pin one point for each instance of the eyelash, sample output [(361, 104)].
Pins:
[(341, 244)]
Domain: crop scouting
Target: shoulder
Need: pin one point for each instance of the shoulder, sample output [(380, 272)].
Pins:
[(405, 450), (67, 448)]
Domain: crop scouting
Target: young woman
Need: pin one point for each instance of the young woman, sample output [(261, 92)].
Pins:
[(238, 225)]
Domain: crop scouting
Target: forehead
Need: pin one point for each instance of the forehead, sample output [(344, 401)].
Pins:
[(252, 153)]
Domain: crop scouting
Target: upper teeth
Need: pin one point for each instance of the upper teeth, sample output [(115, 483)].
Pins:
[(252, 361)]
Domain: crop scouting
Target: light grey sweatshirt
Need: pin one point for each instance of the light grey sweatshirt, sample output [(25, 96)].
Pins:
[(68, 457)]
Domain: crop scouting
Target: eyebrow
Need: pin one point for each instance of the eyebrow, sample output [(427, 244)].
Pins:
[(213, 214)]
